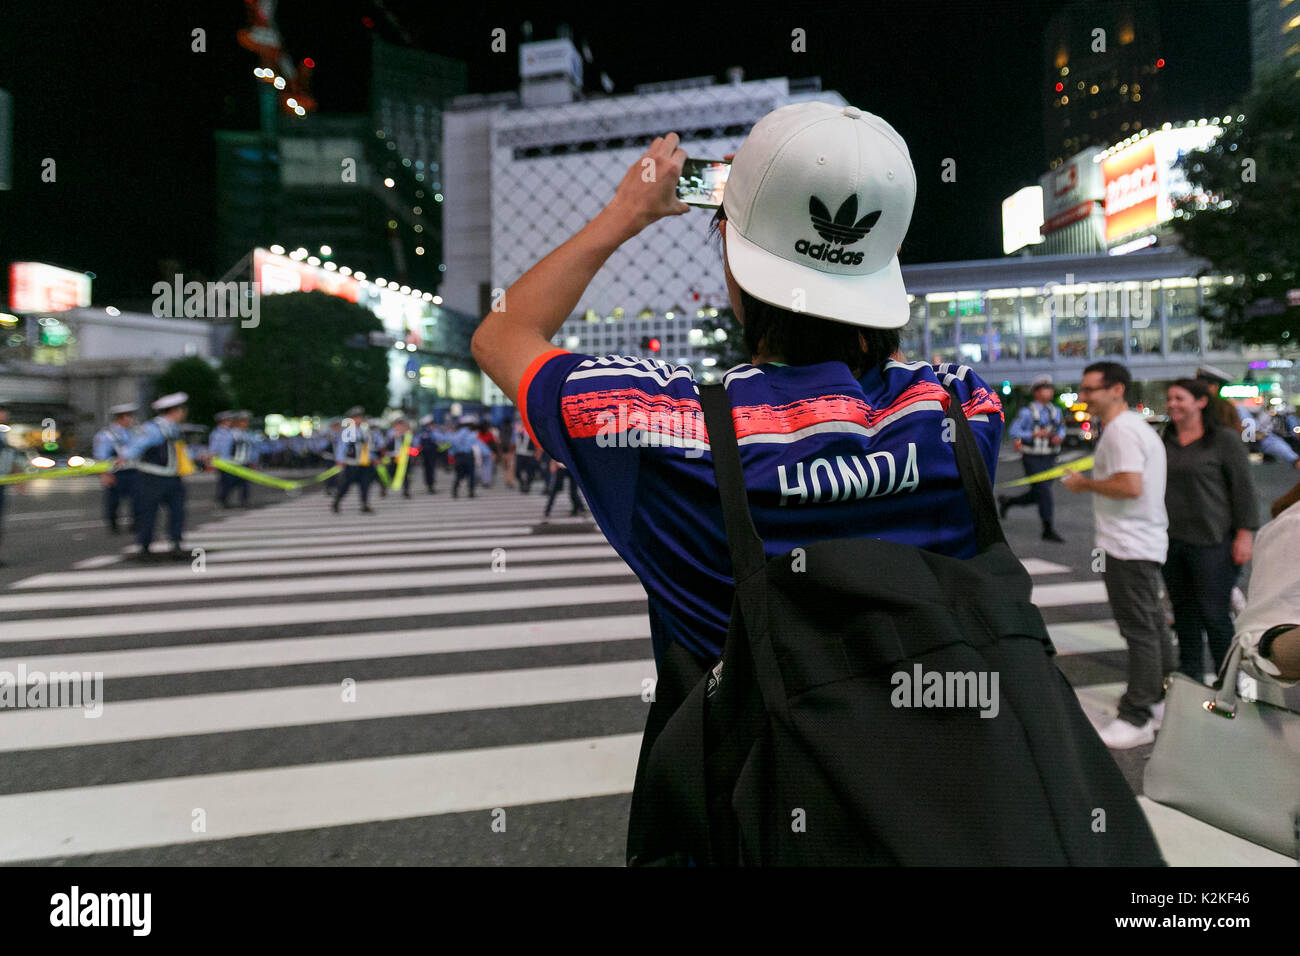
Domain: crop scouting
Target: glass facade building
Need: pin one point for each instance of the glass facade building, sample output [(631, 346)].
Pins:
[(1017, 318)]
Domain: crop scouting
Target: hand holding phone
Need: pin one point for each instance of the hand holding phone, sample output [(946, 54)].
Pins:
[(702, 182)]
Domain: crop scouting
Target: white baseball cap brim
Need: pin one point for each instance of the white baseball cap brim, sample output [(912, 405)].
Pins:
[(877, 300)]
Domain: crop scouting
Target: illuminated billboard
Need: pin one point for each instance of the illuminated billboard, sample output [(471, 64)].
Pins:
[(1070, 190), (279, 274), (1142, 182), (38, 287), (1022, 219)]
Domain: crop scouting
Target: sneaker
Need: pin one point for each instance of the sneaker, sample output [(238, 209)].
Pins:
[(1004, 505), (1157, 715), (367, 510), (1119, 734), (1050, 535)]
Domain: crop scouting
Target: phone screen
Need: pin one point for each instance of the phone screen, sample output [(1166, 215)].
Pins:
[(702, 182)]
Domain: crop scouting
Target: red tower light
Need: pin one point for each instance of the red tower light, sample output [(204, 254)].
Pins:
[(309, 63), (1160, 63), (1060, 87), (654, 345)]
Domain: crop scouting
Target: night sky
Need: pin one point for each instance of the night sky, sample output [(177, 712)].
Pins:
[(112, 92)]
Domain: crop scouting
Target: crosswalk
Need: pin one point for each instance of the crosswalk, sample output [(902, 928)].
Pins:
[(441, 681)]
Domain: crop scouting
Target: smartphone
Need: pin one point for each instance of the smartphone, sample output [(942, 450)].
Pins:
[(702, 182)]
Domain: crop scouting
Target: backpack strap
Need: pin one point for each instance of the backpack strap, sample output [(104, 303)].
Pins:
[(974, 478), (746, 546)]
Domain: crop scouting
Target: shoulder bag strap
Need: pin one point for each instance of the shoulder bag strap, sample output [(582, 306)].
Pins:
[(974, 478), (746, 546)]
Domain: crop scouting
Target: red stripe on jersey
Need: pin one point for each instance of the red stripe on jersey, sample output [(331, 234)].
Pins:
[(587, 414)]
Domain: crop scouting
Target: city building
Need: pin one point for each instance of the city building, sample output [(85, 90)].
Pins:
[(429, 361), (1274, 35), (63, 359), (1014, 319), (551, 168), (1101, 80)]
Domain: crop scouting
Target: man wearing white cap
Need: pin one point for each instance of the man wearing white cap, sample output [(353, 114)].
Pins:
[(119, 484), (836, 438), (356, 449), (1039, 431), (157, 449)]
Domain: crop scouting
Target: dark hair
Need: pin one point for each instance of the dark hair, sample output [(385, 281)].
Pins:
[(1112, 373), (805, 339), (1199, 389)]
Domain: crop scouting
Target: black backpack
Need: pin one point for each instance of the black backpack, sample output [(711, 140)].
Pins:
[(789, 750)]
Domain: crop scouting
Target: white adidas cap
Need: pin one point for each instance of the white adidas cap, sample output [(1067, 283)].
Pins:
[(818, 201)]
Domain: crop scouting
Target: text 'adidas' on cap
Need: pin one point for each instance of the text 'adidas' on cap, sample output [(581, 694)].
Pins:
[(818, 201)]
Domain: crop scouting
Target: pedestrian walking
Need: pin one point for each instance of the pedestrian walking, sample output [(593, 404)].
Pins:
[(560, 476), (1128, 489), (1213, 515)]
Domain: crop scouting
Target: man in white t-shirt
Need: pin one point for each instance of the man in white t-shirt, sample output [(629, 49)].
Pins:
[(1128, 485)]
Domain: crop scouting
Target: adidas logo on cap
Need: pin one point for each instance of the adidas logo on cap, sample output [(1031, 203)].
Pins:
[(798, 163)]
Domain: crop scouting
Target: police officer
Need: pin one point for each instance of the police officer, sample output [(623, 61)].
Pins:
[(244, 452), (221, 444), (158, 451), (468, 453), (355, 453), (1039, 431), (119, 484), (427, 440), (393, 448)]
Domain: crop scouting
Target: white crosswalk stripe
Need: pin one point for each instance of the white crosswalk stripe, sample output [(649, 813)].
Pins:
[(352, 636)]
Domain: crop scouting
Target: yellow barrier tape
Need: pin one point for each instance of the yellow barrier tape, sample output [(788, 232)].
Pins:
[(93, 469), (1079, 464), (403, 457), (261, 478), (399, 472)]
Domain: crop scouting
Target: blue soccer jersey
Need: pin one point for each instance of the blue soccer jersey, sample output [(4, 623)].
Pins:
[(825, 456)]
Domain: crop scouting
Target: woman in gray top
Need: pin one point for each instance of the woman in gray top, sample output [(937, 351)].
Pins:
[(1213, 515)]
